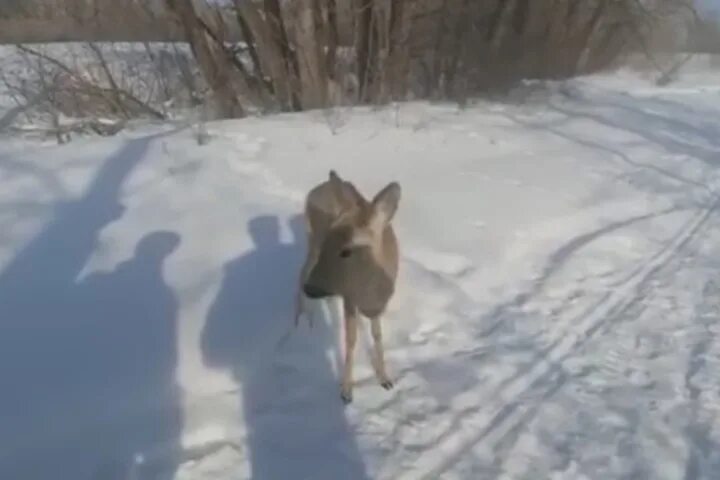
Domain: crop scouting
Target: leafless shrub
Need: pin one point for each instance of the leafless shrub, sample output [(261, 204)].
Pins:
[(308, 54), (325, 54), (93, 85)]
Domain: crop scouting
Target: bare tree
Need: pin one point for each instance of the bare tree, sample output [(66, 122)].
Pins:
[(228, 86)]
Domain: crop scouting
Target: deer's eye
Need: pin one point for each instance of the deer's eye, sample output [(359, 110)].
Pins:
[(345, 252)]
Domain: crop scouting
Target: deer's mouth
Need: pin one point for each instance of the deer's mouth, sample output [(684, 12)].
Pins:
[(315, 292)]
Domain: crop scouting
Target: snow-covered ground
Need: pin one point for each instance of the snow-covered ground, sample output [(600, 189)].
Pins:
[(557, 315)]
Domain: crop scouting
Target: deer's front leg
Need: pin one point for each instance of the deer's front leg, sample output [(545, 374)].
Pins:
[(351, 330), (304, 272), (379, 354)]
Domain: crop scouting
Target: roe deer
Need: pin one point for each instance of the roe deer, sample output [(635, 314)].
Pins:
[(352, 253)]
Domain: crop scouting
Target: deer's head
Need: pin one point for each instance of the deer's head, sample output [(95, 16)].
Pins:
[(358, 253)]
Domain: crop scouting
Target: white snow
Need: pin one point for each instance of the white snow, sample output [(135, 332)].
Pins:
[(557, 313)]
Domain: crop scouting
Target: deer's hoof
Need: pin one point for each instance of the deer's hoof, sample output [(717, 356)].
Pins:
[(387, 384), (346, 397)]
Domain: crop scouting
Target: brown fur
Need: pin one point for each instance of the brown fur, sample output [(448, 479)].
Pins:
[(352, 253)]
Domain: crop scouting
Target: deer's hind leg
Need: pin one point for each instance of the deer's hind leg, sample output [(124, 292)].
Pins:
[(299, 295)]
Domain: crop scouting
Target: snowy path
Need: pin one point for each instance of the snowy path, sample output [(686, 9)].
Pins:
[(556, 318), (572, 369)]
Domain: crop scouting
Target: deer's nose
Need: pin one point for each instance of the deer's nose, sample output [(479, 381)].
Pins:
[(314, 292)]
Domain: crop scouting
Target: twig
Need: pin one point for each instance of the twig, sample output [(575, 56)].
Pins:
[(103, 92)]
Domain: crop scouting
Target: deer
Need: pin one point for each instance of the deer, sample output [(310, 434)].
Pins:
[(352, 253)]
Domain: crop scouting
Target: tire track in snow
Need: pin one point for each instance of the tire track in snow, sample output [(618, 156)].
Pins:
[(494, 423)]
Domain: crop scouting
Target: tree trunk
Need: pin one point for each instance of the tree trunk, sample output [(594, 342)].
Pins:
[(271, 58), (382, 11), (227, 88), (587, 35), (499, 24), (332, 38), (363, 46), (521, 16), (274, 18), (399, 56), (311, 58)]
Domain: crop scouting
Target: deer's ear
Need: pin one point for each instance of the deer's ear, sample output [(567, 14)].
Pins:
[(354, 195), (336, 183), (384, 206), (345, 192)]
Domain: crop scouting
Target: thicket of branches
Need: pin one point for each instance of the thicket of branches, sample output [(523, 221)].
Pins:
[(306, 54), (98, 87), (76, 87)]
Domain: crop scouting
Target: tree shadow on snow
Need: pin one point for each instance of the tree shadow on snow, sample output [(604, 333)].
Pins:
[(295, 419), (87, 367)]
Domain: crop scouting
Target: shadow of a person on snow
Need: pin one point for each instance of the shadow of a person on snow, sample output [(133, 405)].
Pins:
[(296, 423), (87, 366), (112, 400), (133, 347)]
